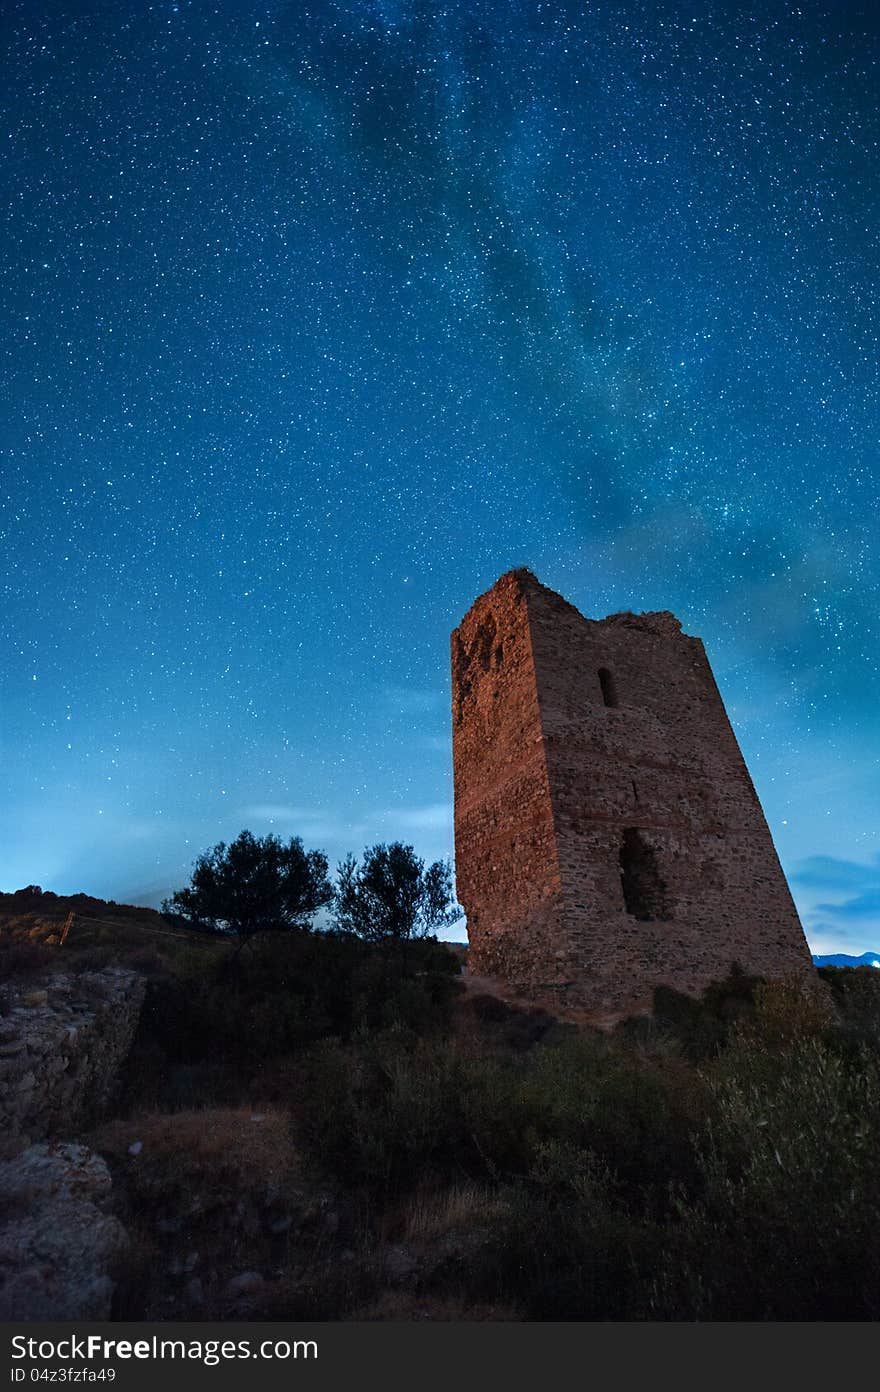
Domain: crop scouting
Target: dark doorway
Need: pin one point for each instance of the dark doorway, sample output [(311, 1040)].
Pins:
[(608, 685), (644, 892)]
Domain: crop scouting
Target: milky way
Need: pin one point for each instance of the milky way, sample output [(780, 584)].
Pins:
[(318, 320)]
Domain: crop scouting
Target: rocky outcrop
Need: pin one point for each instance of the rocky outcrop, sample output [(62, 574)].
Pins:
[(63, 1039), (59, 1243)]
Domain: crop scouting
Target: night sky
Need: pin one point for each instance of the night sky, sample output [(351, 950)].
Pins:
[(318, 318)]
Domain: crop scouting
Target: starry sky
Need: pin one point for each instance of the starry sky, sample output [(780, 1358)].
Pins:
[(318, 317)]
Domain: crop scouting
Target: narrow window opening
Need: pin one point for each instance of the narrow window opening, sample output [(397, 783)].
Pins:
[(484, 643), (644, 891), (609, 686)]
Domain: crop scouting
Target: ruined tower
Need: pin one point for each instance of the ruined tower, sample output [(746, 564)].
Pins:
[(607, 834)]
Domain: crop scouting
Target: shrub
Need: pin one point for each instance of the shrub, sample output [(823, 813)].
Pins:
[(785, 1228), (394, 1112), (855, 992), (784, 1013), (19, 957), (636, 1114), (392, 1109), (287, 991), (702, 1025), (568, 1246)]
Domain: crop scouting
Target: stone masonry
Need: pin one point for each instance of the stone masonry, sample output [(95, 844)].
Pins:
[(63, 1040), (608, 836)]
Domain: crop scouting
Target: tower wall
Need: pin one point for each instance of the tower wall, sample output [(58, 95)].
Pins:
[(608, 835)]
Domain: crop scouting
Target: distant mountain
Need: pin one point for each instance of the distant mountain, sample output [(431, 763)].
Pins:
[(840, 959)]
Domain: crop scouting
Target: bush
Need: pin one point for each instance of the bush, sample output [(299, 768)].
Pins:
[(702, 1026), (786, 1226), (568, 1245), (393, 1112), (391, 1109), (637, 1115), (746, 1189), (19, 957), (281, 994), (855, 992)]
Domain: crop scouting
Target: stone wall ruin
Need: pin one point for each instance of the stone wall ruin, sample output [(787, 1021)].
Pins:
[(63, 1040)]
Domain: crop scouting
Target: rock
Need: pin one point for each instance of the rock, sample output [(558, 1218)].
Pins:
[(61, 1169), (34, 998), (54, 1263), (56, 1254), (135, 1148), (247, 1283), (400, 1265)]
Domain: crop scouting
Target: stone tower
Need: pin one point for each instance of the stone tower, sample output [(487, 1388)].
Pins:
[(607, 834)]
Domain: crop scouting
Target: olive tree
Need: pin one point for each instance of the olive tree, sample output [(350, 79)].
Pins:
[(254, 885), (391, 896)]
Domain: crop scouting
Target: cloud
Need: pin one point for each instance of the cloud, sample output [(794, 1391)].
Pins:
[(865, 905), (432, 821), (412, 700), (435, 816), (290, 820), (436, 744), (832, 874), (278, 812), (826, 938), (839, 902)]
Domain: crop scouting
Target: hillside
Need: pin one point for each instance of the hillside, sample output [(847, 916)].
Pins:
[(324, 1127), (100, 932)]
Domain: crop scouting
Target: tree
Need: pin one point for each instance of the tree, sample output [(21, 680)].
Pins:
[(254, 885), (391, 897)]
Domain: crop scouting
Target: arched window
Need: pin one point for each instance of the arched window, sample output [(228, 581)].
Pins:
[(609, 686)]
